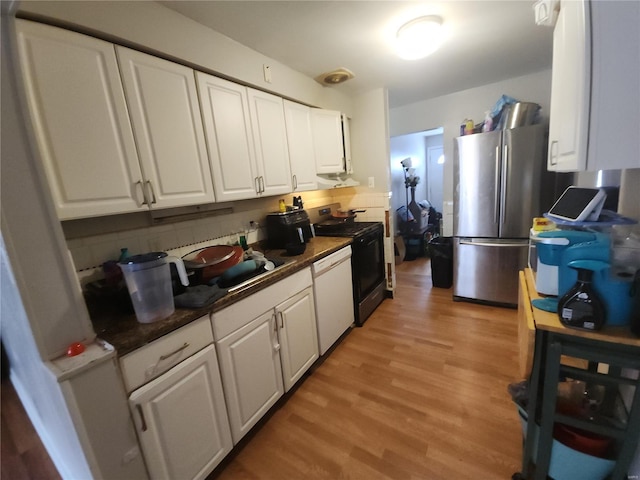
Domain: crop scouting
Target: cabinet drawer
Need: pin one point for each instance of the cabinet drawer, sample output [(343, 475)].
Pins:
[(155, 358), (239, 314)]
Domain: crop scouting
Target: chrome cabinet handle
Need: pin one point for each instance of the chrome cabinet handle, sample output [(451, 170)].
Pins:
[(276, 344), (281, 315), (153, 193), (261, 184), (295, 182), (256, 184), (553, 152), (177, 350), (144, 197), (141, 413)]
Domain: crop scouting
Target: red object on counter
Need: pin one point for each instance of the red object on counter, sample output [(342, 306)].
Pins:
[(75, 349)]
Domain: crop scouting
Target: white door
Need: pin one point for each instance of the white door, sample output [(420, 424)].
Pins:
[(300, 142), (164, 109), (251, 372), (298, 336), (570, 89), (435, 176), (227, 121), (182, 420), (80, 121), (270, 141), (327, 140)]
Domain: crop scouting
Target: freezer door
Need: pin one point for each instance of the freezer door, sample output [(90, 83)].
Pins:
[(487, 270), (523, 161), (477, 170)]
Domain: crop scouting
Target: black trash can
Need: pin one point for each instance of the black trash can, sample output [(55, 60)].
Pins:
[(441, 253)]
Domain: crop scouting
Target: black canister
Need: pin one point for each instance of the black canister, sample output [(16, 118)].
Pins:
[(581, 307)]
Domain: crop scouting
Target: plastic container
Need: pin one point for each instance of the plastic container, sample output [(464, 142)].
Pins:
[(567, 463), (441, 253), (148, 279)]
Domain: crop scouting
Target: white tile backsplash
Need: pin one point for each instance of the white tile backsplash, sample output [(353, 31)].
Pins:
[(183, 237)]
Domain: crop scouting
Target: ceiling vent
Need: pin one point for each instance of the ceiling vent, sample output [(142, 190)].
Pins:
[(335, 77)]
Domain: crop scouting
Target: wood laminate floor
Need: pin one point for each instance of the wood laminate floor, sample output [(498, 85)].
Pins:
[(419, 392)]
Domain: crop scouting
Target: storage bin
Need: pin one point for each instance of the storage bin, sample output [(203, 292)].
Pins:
[(441, 253), (567, 463)]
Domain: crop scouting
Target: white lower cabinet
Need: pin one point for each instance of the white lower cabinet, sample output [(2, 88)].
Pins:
[(180, 416), (297, 332), (265, 344), (250, 365)]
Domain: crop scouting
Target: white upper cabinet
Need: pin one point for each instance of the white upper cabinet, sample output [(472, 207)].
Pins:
[(300, 141), (328, 141), (164, 109), (247, 139), (80, 120), (225, 111), (270, 141), (593, 119)]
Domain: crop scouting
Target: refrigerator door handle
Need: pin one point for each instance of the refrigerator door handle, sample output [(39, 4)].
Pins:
[(503, 189), (496, 183), (494, 244)]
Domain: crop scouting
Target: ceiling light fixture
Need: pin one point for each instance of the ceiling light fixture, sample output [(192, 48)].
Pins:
[(419, 37)]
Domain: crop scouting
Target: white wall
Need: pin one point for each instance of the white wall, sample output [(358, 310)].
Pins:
[(449, 111), (370, 139)]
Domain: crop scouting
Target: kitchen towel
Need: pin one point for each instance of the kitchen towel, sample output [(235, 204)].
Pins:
[(199, 296)]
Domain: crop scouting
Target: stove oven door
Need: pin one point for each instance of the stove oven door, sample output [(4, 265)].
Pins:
[(368, 264)]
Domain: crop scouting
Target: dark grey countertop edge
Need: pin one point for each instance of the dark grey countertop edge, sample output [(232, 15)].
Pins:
[(126, 334)]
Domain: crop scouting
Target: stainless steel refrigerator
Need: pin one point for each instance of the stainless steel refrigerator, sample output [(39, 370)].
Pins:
[(499, 188)]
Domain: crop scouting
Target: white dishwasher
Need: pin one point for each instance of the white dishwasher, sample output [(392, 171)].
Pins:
[(333, 290)]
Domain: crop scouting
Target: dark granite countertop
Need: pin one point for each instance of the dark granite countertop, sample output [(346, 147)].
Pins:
[(125, 333)]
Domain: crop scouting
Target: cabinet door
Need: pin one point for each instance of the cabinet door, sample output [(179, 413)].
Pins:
[(182, 420), (298, 335), (300, 142), (570, 89), (163, 104), (251, 373), (346, 143), (270, 141), (615, 38), (227, 121), (80, 120), (327, 140)]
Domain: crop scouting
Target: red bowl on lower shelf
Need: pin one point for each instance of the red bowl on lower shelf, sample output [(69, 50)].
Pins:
[(581, 440)]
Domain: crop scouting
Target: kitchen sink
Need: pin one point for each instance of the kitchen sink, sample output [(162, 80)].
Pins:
[(255, 276)]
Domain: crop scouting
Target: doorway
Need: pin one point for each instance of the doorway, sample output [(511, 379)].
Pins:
[(425, 149)]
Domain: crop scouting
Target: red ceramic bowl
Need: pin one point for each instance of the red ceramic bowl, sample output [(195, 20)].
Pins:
[(210, 262), (581, 440)]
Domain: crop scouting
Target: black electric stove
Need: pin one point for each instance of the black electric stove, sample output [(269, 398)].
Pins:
[(339, 228)]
